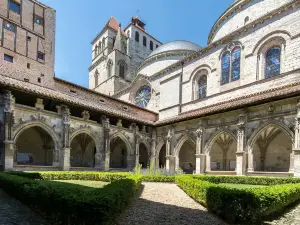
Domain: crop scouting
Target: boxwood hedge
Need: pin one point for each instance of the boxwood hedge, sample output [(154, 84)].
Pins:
[(63, 203), (240, 205)]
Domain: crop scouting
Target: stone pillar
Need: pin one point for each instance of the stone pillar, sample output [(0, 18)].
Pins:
[(250, 160), (241, 155), (170, 161), (99, 157), (106, 143), (137, 151), (208, 168), (55, 158), (296, 149), (153, 149), (130, 162), (200, 157), (291, 169), (9, 145), (65, 151)]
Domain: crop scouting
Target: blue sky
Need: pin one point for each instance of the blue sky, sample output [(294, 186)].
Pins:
[(78, 22)]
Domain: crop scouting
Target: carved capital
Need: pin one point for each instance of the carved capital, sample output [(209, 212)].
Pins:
[(85, 115)]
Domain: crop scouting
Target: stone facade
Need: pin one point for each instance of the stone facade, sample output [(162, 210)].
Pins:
[(249, 126)]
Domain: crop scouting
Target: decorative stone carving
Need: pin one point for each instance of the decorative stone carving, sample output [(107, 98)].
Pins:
[(119, 123), (85, 115), (39, 104), (270, 108)]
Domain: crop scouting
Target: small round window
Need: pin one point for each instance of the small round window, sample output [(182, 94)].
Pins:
[(143, 96)]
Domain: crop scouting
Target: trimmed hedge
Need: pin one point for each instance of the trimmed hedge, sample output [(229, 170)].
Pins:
[(240, 205), (97, 176), (247, 180), (63, 203)]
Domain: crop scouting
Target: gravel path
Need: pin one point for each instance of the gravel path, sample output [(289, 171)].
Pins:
[(13, 212), (291, 217), (164, 204)]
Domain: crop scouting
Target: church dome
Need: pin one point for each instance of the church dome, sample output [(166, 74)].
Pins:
[(166, 55), (176, 46)]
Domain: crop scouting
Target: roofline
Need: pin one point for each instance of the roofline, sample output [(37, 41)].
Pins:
[(210, 36), (143, 31), (103, 95)]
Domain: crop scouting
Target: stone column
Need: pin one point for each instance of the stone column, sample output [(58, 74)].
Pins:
[(153, 149), (291, 169), (241, 155), (296, 149), (137, 151), (55, 158), (65, 151), (106, 142), (200, 157), (250, 160), (208, 168), (9, 144), (130, 162), (170, 161)]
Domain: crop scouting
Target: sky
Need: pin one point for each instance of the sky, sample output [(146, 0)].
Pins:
[(79, 21)]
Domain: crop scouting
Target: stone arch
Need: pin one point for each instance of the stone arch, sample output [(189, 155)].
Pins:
[(232, 44), (160, 153), (148, 147), (282, 34), (42, 137), (213, 138), (220, 151), (257, 132), (124, 139), (185, 154), (200, 68), (120, 151), (270, 148), (42, 125), (88, 132)]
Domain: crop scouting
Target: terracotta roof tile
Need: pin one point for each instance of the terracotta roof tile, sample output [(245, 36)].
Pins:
[(114, 24)]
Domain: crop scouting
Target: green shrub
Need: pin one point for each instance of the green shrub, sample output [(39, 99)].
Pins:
[(158, 178), (66, 204), (240, 205), (247, 180)]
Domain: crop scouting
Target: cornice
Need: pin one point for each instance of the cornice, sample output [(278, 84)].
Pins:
[(98, 61)]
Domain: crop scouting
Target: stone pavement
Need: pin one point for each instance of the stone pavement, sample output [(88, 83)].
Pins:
[(164, 204), (13, 212)]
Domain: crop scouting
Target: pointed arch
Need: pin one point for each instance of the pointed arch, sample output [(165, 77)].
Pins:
[(124, 139), (185, 138), (88, 132), (284, 128), (122, 68), (109, 67), (43, 126), (214, 137)]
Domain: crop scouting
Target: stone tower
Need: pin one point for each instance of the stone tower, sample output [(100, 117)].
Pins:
[(117, 53)]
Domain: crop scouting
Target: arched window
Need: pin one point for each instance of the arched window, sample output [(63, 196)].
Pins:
[(231, 64), (144, 41), (109, 68), (96, 50), (122, 68), (151, 45), (202, 86), (273, 62), (137, 36), (96, 78), (100, 47)]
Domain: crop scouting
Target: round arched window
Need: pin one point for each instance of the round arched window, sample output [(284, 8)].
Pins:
[(143, 96)]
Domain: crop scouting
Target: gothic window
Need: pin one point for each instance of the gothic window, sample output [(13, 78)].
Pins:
[(143, 96), (137, 36), (231, 64), (96, 50), (100, 47), (202, 86), (225, 68), (235, 63), (122, 68), (103, 43), (109, 68), (273, 62), (151, 45), (144, 41), (96, 78)]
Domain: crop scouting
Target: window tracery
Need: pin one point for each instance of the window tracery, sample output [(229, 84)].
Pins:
[(273, 62), (231, 64), (143, 96), (202, 87)]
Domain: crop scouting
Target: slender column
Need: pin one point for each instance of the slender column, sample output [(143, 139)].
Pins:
[(200, 157), (153, 148), (208, 167), (241, 155), (106, 143), (296, 149), (137, 151), (169, 159), (291, 169), (9, 144), (250, 160), (65, 152)]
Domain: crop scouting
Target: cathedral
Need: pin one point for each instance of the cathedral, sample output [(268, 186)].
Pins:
[(231, 107)]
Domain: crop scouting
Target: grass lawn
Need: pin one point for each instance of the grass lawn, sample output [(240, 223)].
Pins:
[(241, 186), (87, 183)]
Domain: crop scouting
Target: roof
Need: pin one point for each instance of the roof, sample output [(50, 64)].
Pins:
[(74, 100), (246, 100), (176, 45), (113, 24)]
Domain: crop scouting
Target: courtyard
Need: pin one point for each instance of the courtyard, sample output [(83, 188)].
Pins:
[(133, 198)]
